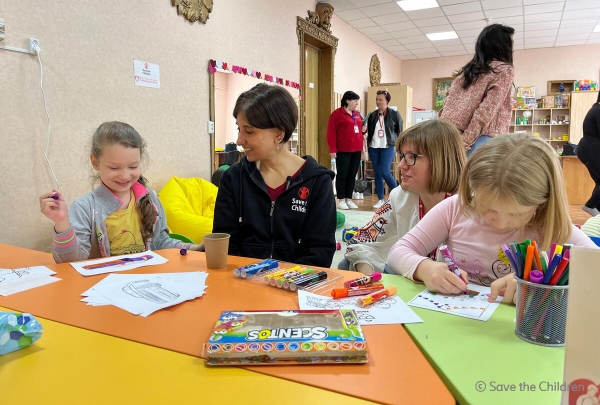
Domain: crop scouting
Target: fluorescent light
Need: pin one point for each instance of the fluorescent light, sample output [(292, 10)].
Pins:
[(597, 28), (440, 36), (411, 5)]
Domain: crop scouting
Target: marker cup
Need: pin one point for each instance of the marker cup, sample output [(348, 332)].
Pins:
[(216, 247), (541, 313)]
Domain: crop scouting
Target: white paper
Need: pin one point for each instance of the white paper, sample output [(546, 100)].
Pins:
[(391, 310), (146, 74), (466, 305), (143, 294), (118, 263), (16, 280)]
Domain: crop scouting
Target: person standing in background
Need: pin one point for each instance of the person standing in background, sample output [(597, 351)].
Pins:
[(478, 102), (383, 127), (588, 151), (345, 140)]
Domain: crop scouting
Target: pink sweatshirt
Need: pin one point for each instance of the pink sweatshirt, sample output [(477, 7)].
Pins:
[(473, 244)]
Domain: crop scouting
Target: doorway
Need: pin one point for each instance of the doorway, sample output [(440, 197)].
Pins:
[(317, 54)]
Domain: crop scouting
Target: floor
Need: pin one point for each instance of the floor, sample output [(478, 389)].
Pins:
[(577, 215)]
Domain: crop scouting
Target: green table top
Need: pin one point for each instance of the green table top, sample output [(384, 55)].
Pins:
[(466, 352)]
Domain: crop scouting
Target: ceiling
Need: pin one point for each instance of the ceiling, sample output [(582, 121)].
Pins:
[(538, 24)]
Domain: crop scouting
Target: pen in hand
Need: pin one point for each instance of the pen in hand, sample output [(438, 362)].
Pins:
[(449, 260)]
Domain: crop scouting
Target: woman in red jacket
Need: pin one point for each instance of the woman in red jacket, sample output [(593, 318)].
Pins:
[(345, 139)]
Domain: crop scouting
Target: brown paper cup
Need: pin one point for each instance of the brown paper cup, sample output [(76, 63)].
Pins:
[(216, 247)]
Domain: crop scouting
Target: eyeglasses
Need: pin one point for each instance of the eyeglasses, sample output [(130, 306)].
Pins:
[(409, 158)]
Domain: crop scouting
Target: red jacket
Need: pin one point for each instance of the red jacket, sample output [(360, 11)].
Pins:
[(340, 131)]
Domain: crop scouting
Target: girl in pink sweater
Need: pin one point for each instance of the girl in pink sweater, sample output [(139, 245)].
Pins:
[(511, 189)]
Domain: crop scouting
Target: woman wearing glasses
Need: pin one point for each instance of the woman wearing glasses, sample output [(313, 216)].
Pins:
[(431, 160), (478, 101), (383, 125), (345, 140)]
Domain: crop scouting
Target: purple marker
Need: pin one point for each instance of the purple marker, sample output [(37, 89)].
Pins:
[(56, 197), (536, 277), (450, 261), (183, 251)]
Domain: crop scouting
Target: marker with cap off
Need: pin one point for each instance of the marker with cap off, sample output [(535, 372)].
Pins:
[(450, 262), (363, 280)]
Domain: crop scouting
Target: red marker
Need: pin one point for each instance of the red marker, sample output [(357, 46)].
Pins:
[(363, 280), (337, 293), (376, 296)]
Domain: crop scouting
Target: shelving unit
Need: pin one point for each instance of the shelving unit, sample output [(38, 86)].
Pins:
[(551, 124)]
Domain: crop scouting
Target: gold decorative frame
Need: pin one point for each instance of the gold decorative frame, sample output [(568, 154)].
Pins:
[(194, 10), (441, 85), (311, 34)]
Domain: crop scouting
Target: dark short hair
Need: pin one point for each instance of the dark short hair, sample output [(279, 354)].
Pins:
[(388, 96), (268, 106), (349, 95)]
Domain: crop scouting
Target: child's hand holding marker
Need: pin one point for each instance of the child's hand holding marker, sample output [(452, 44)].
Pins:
[(437, 278), (53, 206)]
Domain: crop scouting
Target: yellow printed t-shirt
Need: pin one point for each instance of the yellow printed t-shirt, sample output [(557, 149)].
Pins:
[(124, 231)]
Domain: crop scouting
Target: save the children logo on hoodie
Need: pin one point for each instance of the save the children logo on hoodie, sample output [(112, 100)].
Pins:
[(300, 204)]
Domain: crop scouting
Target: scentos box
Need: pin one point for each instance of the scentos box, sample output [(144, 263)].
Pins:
[(284, 337)]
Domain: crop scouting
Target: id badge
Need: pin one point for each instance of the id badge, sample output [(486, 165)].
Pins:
[(356, 129), (380, 133)]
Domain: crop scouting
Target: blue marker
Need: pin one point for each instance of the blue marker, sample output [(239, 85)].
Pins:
[(254, 268), (511, 258), (552, 267)]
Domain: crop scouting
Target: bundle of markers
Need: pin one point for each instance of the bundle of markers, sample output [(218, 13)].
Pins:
[(291, 279), (366, 287), (538, 267), (542, 292)]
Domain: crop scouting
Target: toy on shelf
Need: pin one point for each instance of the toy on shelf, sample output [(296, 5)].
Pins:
[(526, 91), (585, 85)]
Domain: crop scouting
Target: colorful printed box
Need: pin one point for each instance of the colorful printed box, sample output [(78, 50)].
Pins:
[(526, 91), (286, 337)]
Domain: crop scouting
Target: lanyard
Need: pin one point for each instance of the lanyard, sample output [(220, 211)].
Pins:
[(433, 253), (353, 117), (381, 119)]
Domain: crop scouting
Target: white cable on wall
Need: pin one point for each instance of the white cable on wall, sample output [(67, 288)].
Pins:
[(48, 117)]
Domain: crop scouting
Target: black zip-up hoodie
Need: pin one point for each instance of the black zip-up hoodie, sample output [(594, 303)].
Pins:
[(298, 227)]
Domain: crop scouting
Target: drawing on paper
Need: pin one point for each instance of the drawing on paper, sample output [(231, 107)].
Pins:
[(473, 304), (149, 291), (119, 262)]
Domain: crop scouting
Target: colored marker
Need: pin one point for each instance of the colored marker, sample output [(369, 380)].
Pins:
[(567, 250), (536, 255), (536, 276), (118, 262), (376, 296), (559, 270), (183, 251), (528, 262), (511, 258), (278, 281), (450, 261), (56, 197), (254, 268), (269, 276), (363, 280), (552, 266), (310, 279), (285, 282), (337, 293)]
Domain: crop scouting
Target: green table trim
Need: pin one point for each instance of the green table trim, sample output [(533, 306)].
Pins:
[(465, 351)]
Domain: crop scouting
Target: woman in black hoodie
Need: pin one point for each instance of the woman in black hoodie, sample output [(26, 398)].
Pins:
[(273, 203)]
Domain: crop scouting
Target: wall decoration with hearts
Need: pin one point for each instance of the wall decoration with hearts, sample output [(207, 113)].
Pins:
[(213, 65)]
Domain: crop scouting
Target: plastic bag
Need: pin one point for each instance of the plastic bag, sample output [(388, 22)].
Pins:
[(17, 331)]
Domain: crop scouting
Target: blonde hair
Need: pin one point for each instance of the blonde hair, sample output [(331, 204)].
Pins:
[(440, 141), (120, 133), (526, 170)]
